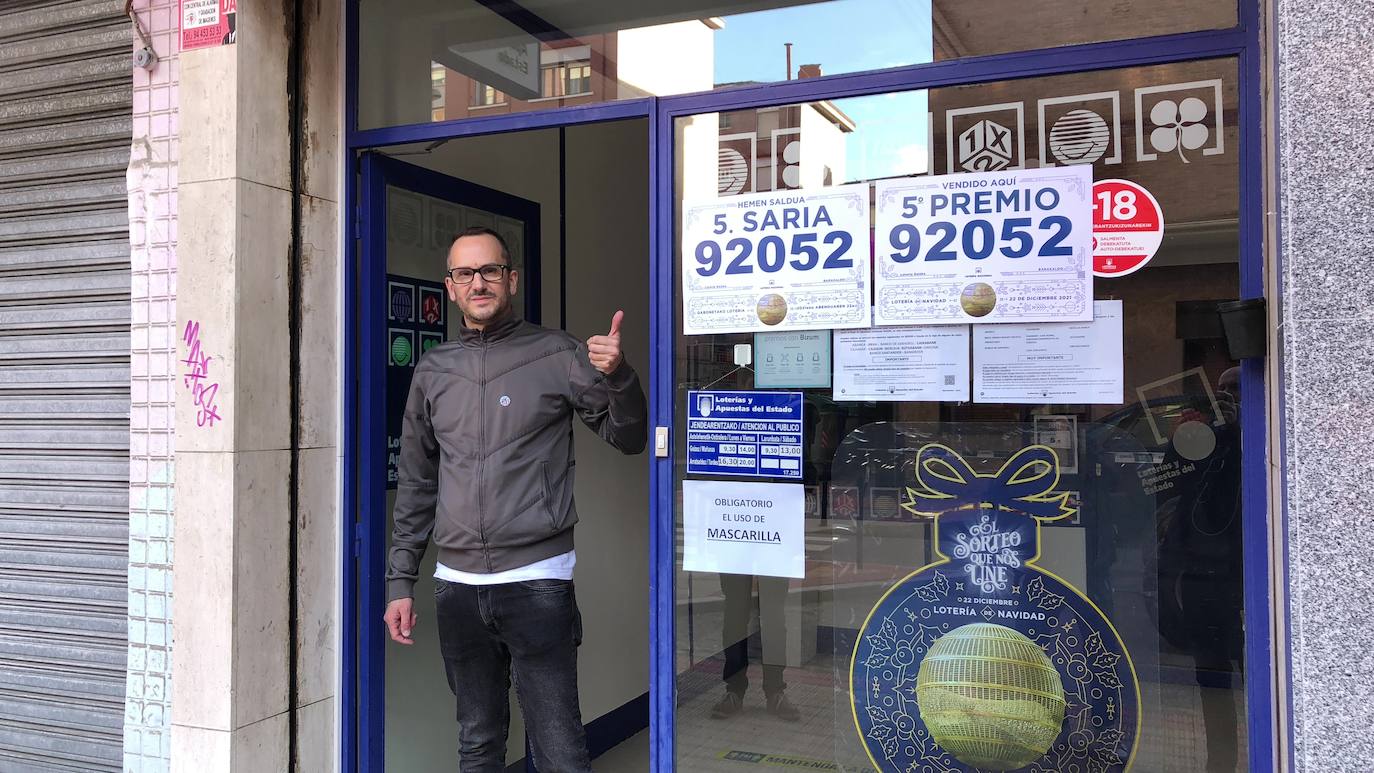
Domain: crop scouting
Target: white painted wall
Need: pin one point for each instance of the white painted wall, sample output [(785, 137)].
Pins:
[(608, 269)]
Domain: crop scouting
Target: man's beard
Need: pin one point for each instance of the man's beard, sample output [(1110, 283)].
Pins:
[(494, 311)]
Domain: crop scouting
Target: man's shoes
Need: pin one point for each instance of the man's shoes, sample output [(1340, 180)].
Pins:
[(729, 706), (780, 707)]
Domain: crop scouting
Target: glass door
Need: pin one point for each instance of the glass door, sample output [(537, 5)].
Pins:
[(916, 524)]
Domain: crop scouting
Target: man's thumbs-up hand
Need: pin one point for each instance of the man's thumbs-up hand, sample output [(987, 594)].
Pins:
[(604, 351)]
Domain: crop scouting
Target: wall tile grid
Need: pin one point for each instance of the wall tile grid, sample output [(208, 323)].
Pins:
[(152, 187), (1325, 54)]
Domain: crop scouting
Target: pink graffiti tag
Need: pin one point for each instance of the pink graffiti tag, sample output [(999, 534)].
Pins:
[(197, 380)]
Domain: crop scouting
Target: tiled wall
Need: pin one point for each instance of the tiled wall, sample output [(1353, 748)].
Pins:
[(152, 183)]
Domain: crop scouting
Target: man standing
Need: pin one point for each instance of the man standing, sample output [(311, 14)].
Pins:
[(486, 473)]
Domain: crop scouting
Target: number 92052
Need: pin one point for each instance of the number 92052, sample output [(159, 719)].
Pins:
[(771, 253), (979, 239)]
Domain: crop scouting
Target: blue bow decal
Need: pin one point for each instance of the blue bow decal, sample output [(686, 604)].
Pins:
[(1024, 484)]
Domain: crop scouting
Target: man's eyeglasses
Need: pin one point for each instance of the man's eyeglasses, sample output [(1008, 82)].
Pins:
[(492, 272)]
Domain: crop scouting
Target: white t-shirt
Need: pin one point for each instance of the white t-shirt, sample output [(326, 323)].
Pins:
[(559, 567)]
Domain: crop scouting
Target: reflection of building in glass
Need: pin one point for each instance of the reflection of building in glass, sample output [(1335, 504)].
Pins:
[(964, 29), (514, 76), (798, 146)]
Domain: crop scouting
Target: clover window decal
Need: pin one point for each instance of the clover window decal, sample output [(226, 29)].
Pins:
[(1179, 126)]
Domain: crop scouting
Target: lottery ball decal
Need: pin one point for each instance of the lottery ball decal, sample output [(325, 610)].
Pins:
[(978, 299), (772, 309), (990, 696)]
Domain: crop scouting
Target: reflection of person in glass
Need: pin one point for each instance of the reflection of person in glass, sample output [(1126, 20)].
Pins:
[(1200, 568), (739, 595)]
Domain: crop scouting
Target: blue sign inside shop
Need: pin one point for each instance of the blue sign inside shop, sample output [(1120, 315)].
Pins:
[(756, 434)]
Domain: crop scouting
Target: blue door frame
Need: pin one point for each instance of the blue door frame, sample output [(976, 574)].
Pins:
[(362, 720)]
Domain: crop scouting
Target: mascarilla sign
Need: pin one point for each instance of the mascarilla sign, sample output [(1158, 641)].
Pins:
[(744, 528), (983, 660)]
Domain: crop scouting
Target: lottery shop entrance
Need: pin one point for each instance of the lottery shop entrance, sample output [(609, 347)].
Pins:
[(1126, 599)]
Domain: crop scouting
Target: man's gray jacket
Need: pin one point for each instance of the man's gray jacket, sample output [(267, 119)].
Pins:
[(486, 466)]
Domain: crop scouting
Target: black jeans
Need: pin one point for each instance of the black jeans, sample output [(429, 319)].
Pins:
[(526, 630)]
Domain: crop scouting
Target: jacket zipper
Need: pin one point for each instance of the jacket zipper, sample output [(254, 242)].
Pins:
[(548, 493), (482, 446)]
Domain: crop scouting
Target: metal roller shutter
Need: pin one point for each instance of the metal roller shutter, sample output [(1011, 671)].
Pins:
[(65, 130)]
